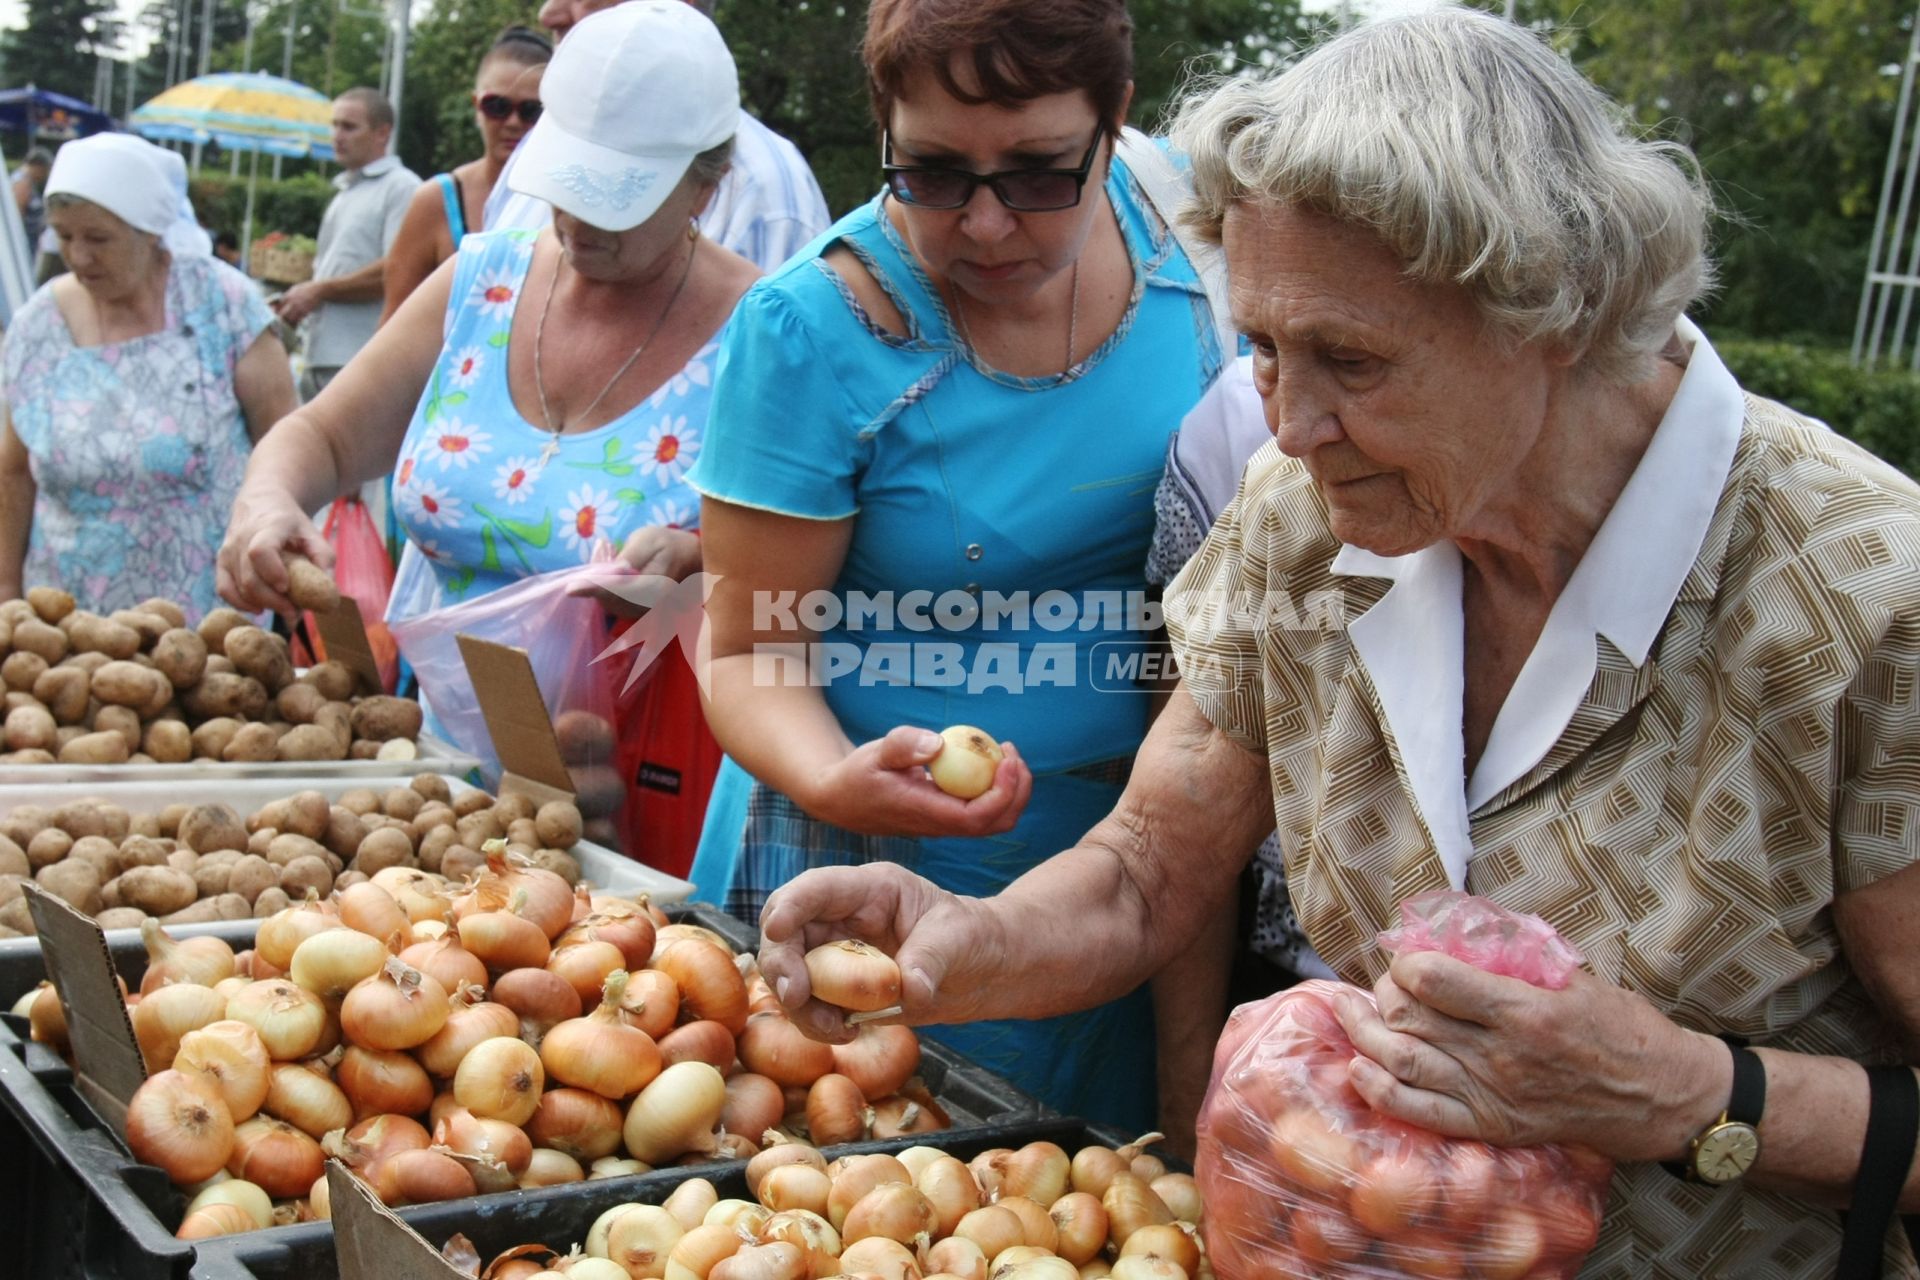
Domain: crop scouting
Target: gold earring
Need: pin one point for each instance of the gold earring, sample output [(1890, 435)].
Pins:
[(693, 230)]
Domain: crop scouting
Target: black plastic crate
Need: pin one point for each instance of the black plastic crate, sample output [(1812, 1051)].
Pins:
[(561, 1216), (130, 1210)]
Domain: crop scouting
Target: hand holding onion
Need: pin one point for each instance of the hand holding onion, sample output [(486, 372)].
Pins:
[(948, 949), (885, 787)]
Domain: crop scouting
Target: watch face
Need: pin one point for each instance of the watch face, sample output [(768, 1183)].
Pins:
[(1725, 1152)]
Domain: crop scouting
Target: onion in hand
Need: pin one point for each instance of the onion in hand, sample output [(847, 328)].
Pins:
[(967, 761)]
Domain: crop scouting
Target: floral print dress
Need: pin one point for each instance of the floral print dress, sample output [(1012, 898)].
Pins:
[(489, 497), (136, 448)]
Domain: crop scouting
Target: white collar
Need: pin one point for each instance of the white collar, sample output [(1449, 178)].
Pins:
[(348, 177), (1412, 640)]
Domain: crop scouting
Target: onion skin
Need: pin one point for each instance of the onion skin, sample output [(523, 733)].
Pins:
[(449, 963), (881, 1059), (585, 966), (466, 1026), (500, 1079), (755, 1104), (383, 1083), (578, 1122), (600, 1052), (651, 1002), (230, 1055), (201, 961), (704, 1041), (421, 1177), (180, 1124), (675, 1113), (276, 1157), (397, 1008), (164, 1017), (215, 1220), (711, 986), (774, 1047), (538, 997), (853, 975), (308, 1101)]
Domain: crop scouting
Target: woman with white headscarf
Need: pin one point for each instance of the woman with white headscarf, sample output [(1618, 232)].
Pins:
[(136, 387)]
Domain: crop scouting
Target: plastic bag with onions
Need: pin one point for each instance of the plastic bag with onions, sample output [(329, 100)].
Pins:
[(1302, 1179)]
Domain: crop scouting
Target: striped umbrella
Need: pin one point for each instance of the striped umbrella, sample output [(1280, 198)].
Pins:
[(242, 111)]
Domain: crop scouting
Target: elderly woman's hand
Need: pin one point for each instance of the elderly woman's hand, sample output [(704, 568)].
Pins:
[(252, 569), (627, 585), (882, 788), (1470, 1055), (947, 946)]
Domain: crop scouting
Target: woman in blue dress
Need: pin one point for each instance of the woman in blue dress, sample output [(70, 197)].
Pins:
[(928, 492)]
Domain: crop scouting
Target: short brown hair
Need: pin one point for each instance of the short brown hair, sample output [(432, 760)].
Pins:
[(1018, 50)]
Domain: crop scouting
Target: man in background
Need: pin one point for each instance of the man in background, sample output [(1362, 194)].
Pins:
[(342, 301)]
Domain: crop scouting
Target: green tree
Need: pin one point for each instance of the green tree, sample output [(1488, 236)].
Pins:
[(57, 48), (436, 122)]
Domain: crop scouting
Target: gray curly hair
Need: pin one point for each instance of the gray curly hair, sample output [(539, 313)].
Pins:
[(1481, 158)]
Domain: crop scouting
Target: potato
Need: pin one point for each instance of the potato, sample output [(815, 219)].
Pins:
[(364, 749), (49, 642), (207, 827), (94, 634), (310, 586), (32, 755), (16, 916), (76, 883), (382, 849), (432, 786), (17, 698), (103, 853), (48, 847), (107, 747), (477, 828), (252, 742), (382, 718), (159, 891), (271, 902), (584, 738), (13, 859), (120, 917), (362, 800), (459, 862), (87, 662), (219, 664), (433, 814), (558, 824), (336, 718), (598, 790), (311, 742), (64, 692), (344, 832), (90, 817), (288, 847), (51, 603), (513, 805), (183, 860), (16, 611), (434, 845), (144, 824), (168, 741), (523, 831), (472, 802), (210, 875), (29, 727), (67, 733), (303, 874), (210, 739), (124, 721), (299, 703), (21, 669), (128, 684), (335, 680), (202, 912), (181, 656), (251, 876), (403, 803), (307, 814), (214, 627), (143, 851), (150, 626), (224, 694), (259, 654), (560, 863)]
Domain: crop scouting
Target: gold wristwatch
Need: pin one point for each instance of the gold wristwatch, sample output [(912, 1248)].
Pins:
[(1727, 1149)]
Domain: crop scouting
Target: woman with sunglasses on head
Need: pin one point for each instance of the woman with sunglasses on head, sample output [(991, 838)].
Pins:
[(959, 398), (506, 102)]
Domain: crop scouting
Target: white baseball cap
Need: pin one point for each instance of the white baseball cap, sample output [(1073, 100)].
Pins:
[(632, 95)]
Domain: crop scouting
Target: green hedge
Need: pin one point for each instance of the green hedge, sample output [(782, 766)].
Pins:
[(1878, 408), (292, 205)]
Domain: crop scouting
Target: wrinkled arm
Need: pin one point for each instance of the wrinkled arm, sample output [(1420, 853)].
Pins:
[(263, 383), (16, 508), (411, 258)]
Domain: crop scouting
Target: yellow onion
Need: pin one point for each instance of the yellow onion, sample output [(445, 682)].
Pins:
[(289, 1019), (755, 1104), (374, 1140), (1181, 1194), (539, 998), (956, 1257), (675, 1113), (463, 1133), (637, 1236), (808, 1232), (229, 1054), (836, 1111), (616, 1167), (1131, 1205), (500, 1079), (1036, 1228), (690, 1201), (179, 1124), (599, 1052), (772, 1046), (993, 1228), (164, 1016), (1080, 1225), (796, 1186), (711, 986), (450, 963), (369, 909), (549, 1168), (281, 933), (219, 1219), (895, 1210), (421, 1177), (236, 1191), (47, 1018), (742, 1216), (949, 1187), (696, 1253), (624, 925), (1169, 1241), (332, 963), (505, 939), (307, 1100), (468, 1023), (879, 1256), (203, 961), (853, 975), (651, 1002), (880, 1059), (703, 1041), (585, 966), (778, 1154), (417, 893), (275, 1156), (579, 1122), (397, 1008), (383, 1082), (544, 898), (853, 1177)]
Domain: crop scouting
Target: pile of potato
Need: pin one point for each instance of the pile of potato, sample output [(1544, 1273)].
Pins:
[(194, 863), (142, 687)]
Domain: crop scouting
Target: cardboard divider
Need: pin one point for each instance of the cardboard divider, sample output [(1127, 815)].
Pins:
[(370, 1240), (517, 720), (108, 1067), (343, 636)]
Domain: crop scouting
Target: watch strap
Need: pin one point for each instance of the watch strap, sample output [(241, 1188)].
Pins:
[(1893, 1123), (1749, 1096)]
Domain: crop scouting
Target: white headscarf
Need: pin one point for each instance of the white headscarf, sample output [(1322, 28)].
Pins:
[(143, 185)]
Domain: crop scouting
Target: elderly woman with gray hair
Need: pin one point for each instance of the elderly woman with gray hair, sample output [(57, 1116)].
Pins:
[(136, 386), (1545, 608)]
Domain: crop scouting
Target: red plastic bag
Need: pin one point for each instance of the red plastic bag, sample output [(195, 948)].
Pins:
[(563, 636), (362, 570), (1302, 1178)]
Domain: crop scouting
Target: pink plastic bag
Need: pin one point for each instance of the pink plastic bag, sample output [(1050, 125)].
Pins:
[(563, 636), (1301, 1178)]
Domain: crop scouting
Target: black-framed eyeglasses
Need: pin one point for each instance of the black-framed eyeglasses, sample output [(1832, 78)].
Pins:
[(935, 186), (498, 106)]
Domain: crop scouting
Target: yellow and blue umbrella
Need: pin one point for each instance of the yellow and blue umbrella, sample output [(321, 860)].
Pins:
[(242, 111)]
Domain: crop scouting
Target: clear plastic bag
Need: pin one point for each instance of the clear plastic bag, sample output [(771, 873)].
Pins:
[(563, 636), (1302, 1178)]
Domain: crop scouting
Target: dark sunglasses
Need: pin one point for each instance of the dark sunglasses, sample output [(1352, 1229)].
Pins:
[(498, 106), (932, 186)]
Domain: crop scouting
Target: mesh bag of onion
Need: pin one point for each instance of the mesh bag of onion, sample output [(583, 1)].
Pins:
[(1302, 1179)]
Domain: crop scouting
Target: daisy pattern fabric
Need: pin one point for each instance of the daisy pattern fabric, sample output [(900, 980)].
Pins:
[(471, 489)]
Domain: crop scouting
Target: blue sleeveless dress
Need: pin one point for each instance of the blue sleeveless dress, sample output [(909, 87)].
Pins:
[(964, 482)]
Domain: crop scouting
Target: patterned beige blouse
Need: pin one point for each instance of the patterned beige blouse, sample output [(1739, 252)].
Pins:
[(1687, 830)]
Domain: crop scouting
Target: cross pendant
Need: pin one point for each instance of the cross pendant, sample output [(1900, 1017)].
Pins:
[(547, 451)]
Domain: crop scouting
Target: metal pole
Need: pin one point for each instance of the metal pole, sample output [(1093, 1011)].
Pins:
[(206, 58), (397, 94), (1863, 352), (286, 64)]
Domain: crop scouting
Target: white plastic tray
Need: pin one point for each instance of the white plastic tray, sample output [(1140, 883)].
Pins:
[(435, 757), (600, 865)]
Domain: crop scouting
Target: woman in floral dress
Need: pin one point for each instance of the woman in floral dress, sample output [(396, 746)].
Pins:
[(558, 380)]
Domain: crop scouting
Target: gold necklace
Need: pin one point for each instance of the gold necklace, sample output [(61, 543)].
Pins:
[(1073, 323), (539, 338)]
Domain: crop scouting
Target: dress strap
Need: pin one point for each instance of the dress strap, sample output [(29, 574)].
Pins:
[(450, 197), (890, 262)]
